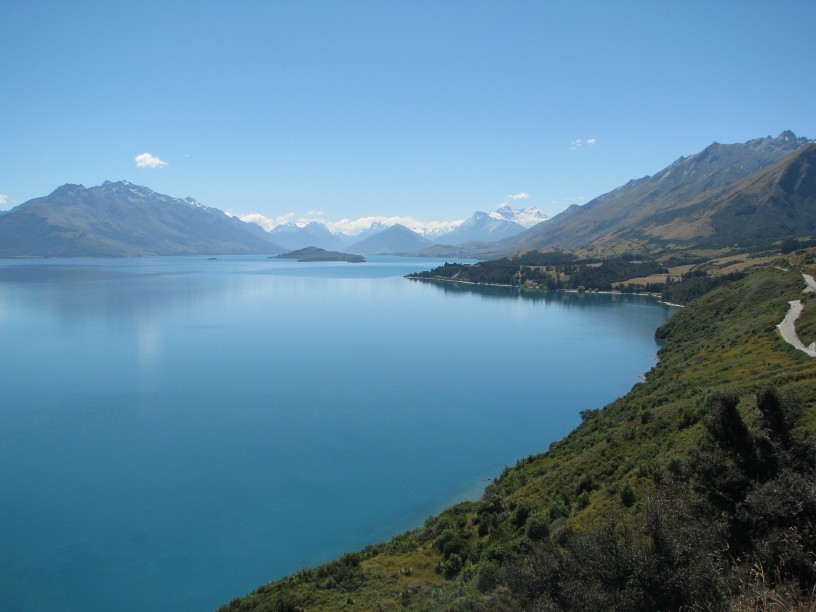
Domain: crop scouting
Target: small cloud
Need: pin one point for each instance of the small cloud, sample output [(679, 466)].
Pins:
[(268, 223), (315, 213), (577, 144), (3, 199), (519, 196), (146, 160)]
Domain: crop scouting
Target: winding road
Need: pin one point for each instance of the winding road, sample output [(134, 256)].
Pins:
[(787, 327)]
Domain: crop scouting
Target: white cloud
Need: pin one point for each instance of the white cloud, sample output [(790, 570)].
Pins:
[(147, 160), (577, 144), (315, 213), (355, 226), (3, 199), (268, 223), (519, 196), (351, 227)]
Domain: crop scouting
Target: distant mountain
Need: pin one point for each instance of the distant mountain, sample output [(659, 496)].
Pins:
[(482, 227), (372, 230), (526, 217), (691, 201), (395, 240), (292, 236), (123, 219)]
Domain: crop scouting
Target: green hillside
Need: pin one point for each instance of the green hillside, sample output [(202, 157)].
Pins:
[(696, 489)]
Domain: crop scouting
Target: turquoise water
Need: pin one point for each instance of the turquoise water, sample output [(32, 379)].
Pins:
[(176, 431)]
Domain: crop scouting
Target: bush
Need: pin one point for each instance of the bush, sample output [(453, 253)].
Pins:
[(538, 527), (487, 576), (450, 567), (522, 513), (627, 495), (557, 508)]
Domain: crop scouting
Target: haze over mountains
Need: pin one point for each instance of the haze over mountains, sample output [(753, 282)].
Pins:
[(761, 190), (395, 240), (504, 222)]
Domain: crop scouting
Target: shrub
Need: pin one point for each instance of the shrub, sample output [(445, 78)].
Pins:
[(538, 527), (557, 508), (627, 495)]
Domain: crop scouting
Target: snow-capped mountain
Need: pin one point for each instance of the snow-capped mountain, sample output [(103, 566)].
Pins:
[(481, 227), (486, 227), (526, 217), (293, 236)]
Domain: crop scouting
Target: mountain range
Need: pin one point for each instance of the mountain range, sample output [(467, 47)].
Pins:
[(315, 234), (503, 222), (121, 219), (725, 195), (762, 189)]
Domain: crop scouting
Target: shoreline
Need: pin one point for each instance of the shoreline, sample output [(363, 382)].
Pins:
[(591, 291)]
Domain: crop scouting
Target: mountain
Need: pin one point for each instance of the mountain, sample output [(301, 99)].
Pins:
[(123, 219), (482, 227), (693, 201), (526, 217), (395, 240), (292, 236), (375, 228)]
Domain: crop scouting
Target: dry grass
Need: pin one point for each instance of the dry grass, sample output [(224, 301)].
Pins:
[(757, 596)]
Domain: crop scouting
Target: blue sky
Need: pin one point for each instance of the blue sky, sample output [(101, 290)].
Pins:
[(432, 109)]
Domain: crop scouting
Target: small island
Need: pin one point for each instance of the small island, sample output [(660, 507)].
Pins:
[(316, 254)]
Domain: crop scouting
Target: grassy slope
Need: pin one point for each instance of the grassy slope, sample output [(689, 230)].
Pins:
[(605, 467)]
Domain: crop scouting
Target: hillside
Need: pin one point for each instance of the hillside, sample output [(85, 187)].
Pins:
[(122, 219), (725, 193), (674, 495), (677, 206)]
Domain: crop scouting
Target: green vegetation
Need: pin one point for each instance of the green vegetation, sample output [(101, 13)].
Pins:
[(695, 284), (318, 254), (696, 490), (551, 270)]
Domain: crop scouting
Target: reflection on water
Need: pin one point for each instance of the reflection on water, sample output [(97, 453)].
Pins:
[(568, 299), (176, 431)]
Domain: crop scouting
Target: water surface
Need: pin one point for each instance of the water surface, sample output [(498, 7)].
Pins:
[(176, 431)]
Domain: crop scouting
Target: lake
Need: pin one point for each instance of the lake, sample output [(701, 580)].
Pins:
[(177, 431)]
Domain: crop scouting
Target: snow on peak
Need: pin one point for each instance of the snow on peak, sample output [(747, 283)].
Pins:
[(193, 202), (526, 217)]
